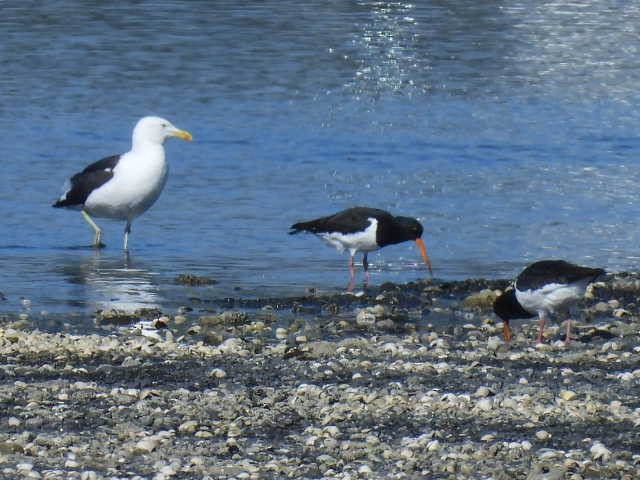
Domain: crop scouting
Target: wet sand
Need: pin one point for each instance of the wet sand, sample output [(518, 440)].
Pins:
[(401, 381)]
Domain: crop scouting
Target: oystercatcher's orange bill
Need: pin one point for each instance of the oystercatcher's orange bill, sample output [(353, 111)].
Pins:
[(423, 252)]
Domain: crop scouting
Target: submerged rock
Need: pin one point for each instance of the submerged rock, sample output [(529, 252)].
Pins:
[(194, 280), (482, 300)]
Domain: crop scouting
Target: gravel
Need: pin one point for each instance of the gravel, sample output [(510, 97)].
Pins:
[(402, 381)]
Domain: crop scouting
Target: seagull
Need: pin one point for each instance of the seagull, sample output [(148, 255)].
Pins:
[(123, 186), (541, 290), (364, 229)]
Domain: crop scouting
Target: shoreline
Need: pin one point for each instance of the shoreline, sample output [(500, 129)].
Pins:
[(343, 386)]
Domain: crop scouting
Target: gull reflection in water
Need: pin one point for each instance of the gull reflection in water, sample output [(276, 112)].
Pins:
[(115, 282)]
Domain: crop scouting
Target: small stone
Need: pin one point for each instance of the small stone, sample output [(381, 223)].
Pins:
[(131, 362), (217, 373), (212, 338), (10, 447), (232, 317), (365, 318), (433, 445), (543, 435), (485, 404), (332, 431), (189, 426), (494, 343), (148, 392), (209, 320), (168, 471), (194, 330), (600, 452), (146, 445), (626, 376), (407, 453), (14, 422), (567, 395), (482, 300), (482, 392), (601, 307)]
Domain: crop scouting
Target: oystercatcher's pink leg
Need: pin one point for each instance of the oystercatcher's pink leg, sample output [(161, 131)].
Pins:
[(567, 338), (541, 321), (352, 275)]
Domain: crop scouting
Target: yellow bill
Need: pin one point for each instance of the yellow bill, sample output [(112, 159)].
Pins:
[(183, 134)]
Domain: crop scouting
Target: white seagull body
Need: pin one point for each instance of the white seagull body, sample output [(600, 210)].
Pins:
[(138, 180), (124, 186)]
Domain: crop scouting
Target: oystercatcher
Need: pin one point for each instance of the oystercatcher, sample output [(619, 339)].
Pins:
[(542, 289), (123, 186), (364, 229)]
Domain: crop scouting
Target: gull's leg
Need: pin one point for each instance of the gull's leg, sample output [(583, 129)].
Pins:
[(127, 231), (98, 232)]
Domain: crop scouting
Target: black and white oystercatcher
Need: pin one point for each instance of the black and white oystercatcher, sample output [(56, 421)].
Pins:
[(364, 229), (123, 186), (542, 289)]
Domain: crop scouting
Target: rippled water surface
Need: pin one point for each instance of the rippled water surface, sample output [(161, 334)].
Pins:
[(509, 129)]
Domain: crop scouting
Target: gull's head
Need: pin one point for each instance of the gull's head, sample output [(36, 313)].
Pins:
[(156, 130)]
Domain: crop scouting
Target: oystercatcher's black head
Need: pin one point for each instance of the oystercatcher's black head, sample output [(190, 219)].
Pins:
[(407, 228), (410, 227), (507, 307)]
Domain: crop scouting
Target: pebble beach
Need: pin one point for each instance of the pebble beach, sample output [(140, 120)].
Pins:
[(409, 381)]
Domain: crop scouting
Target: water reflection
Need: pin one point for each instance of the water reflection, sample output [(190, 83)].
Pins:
[(112, 282)]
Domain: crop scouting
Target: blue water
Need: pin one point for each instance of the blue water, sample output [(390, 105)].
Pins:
[(510, 130)]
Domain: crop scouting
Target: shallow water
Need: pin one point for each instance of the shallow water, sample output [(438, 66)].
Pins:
[(509, 131)]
